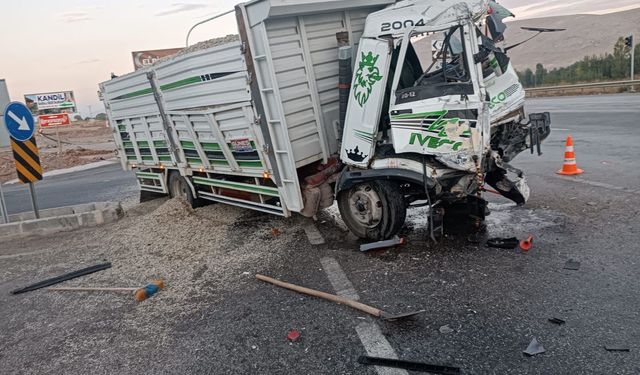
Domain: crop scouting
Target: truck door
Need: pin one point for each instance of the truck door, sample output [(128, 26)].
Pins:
[(443, 112), (371, 73)]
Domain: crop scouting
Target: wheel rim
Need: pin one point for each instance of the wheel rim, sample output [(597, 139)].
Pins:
[(178, 188), (365, 206)]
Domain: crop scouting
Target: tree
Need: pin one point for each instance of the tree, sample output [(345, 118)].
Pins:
[(621, 55), (77, 118), (529, 78), (541, 72), (607, 67), (101, 116)]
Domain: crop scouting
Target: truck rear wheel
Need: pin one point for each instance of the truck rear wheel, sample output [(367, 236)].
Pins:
[(179, 188), (374, 211)]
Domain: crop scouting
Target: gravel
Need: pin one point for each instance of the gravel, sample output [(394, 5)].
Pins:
[(231, 38), (201, 255)]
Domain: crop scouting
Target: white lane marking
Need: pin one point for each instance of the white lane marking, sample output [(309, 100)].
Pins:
[(368, 331), (313, 234), (338, 279), (561, 129), (377, 345), (11, 256), (599, 184)]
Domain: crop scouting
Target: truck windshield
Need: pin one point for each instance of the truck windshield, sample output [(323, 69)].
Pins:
[(445, 71)]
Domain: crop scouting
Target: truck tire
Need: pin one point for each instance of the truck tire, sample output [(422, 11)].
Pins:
[(373, 211), (179, 188)]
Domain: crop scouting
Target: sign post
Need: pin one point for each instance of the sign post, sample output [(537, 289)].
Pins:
[(3, 206), (21, 127), (60, 119)]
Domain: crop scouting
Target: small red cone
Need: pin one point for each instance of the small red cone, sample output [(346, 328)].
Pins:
[(527, 244), (570, 168)]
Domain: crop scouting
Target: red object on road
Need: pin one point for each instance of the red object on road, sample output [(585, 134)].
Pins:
[(49, 121), (293, 335), (527, 244)]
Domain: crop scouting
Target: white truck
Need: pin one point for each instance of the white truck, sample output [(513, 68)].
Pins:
[(269, 122)]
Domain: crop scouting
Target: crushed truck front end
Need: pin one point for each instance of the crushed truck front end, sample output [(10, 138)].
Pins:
[(432, 133)]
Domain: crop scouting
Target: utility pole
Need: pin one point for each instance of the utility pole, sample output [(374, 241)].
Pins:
[(628, 41), (633, 61)]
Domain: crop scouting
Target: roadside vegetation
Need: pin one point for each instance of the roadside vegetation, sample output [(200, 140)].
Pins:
[(608, 67)]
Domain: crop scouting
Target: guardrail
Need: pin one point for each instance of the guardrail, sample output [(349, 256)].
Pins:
[(582, 86)]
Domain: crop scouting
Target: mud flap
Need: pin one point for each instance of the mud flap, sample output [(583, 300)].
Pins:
[(539, 130), (512, 187)]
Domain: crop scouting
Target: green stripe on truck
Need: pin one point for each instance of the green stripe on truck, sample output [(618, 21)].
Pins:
[(262, 190), (155, 176)]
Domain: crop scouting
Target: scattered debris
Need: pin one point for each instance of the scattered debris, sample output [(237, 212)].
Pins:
[(314, 235), (617, 348), (341, 300), (140, 294), (526, 244), (409, 365), (446, 330), (62, 278), (534, 348), (557, 321), (293, 335), (572, 265), (395, 241), (503, 243), (276, 232)]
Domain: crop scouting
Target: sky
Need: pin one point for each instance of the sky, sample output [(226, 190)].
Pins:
[(52, 46)]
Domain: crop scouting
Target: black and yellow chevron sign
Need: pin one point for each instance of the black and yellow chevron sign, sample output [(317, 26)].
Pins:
[(27, 159)]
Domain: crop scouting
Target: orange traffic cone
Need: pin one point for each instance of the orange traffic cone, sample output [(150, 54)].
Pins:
[(570, 167)]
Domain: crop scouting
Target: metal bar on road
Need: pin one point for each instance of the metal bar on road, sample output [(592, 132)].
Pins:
[(34, 202)]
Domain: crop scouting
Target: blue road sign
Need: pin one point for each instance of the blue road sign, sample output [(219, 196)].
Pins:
[(19, 121)]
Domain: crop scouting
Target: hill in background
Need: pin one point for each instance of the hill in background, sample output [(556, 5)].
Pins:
[(586, 35)]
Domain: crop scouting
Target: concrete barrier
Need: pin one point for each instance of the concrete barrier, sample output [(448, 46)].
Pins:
[(61, 219)]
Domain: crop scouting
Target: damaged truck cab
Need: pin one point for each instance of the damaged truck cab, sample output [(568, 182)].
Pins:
[(433, 134)]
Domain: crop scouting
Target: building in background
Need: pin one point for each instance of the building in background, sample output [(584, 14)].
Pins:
[(4, 101), (143, 59)]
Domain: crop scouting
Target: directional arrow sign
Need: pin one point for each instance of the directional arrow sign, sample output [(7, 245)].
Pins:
[(19, 121)]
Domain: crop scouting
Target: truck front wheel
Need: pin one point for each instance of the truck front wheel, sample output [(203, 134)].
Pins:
[(374, 211)]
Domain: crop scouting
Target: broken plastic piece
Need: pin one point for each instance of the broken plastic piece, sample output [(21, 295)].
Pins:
[(527, 244), (446, 329), (534, 348), (395, 241), (617, 348), (557, 321), (293, 335), (572, 265), (503, 243)]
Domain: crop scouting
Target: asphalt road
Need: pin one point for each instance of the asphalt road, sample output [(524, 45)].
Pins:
[(483, 306), (102, 184)]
